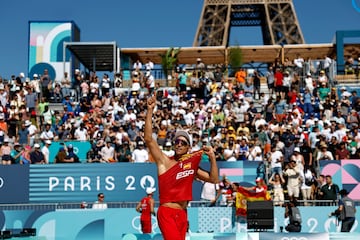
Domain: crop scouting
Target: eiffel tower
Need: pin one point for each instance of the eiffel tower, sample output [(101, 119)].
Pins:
[(277, 19)]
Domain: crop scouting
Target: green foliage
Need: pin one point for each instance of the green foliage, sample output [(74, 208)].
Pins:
[(235, 58), (169, 59)]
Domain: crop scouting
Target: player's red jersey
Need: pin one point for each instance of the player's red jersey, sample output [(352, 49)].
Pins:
[(145, 209), (176, 183)]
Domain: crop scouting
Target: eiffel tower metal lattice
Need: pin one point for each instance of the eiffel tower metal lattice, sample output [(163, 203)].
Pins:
[(277, 19)]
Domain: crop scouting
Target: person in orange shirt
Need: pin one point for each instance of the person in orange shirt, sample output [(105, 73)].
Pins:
[(241, 76), (3, 125)]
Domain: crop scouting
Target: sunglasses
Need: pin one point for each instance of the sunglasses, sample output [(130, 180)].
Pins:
[(181, 142), (101, 196)]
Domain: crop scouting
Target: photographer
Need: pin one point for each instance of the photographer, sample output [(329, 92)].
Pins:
[(293, 213), (345, 212)]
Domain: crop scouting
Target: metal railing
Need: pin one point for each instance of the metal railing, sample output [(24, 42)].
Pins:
[(60, 206)]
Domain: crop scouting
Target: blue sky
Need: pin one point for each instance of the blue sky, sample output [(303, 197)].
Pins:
[(158, 23)]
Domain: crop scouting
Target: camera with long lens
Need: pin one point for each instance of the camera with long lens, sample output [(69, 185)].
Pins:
[(336, 214)]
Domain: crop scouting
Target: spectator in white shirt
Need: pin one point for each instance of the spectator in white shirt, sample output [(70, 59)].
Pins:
[(100, 204), (32, 131), (81, 133), (168, 149), (140, 155), (45, 150), (47, 134), (107, 152)]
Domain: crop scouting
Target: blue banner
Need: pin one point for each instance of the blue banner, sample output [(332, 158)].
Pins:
[(205, 223), (81, 148), (120, 182), (14, 184), (127, 181)]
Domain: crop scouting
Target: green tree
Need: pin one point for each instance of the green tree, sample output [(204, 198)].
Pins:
[(168, 61), (235, 59)]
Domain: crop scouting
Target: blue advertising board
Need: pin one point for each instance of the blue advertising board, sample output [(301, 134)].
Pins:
[(81, 149), (79, 182), (122, 182), (14, 184), (124, 223)]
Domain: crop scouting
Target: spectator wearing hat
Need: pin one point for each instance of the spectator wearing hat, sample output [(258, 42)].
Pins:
[(309, 82), (45, 150), (298, 158), (150, 80), (23, 135), (85, 105), (260, 186), (71, 155), (5, 151), (352, 118), (324, 154), (200, 66), (36, 156), (147, 208), (292, 173), (16, 153), (167, 149), (135, 86), (322, 78), (140, 154), (35, 84)]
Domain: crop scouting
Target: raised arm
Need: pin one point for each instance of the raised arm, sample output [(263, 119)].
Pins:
[(213, 175), (154, 149)]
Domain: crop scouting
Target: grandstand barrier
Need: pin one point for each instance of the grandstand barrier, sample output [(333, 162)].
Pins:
[(81, 148), (126, 182), (124, 223)]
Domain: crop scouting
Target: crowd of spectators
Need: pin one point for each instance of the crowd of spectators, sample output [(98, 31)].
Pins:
[(300, 120)]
